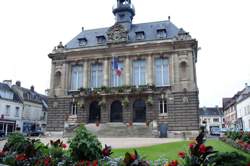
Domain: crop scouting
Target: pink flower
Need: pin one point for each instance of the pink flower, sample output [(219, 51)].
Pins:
[(64, 146)]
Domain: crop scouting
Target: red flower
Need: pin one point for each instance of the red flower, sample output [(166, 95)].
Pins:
[(95, 163), (181, 154), (64, 146), (248, 164), (47, 161), (173, 163), (2, 153), (202, 148), (191, 146), (21, 157), (80, 163), (133, 157), (37, 162)]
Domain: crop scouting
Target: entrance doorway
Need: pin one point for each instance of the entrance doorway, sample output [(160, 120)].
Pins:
[(94, 112), (116, 111), (139, 112)]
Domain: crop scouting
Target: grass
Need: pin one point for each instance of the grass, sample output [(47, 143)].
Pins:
[(170, 150)]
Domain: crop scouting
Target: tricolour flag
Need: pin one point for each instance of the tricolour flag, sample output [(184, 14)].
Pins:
[(116, 67)]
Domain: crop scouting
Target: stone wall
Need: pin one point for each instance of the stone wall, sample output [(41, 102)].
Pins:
[(182, 111)]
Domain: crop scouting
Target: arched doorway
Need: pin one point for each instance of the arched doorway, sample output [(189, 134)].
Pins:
[(116, 111), (139, 113), (94, 112)]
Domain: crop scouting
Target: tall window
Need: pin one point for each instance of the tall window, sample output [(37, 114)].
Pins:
[(7, 110), (139, 72), (96, 75), (73, 110), (161, 72), (76, 77), (117, 75), (163, 107), (17, 112)]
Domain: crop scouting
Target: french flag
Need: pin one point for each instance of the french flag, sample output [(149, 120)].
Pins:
[(116, 67)]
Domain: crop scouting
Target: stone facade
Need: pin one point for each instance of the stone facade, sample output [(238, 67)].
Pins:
[(180, 94)]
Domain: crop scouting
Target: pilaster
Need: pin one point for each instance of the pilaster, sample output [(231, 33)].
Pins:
[(127, 71)]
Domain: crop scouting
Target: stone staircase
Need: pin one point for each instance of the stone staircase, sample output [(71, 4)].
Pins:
[(117, 130)]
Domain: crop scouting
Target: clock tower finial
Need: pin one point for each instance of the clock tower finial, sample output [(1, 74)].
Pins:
[(124, 11)]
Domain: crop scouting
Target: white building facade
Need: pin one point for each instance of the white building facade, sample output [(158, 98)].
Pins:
[(34, 112), (213, 116), (243, 112), (11, 109)]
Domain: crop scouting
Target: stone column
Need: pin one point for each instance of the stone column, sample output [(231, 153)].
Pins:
[(105, 72), (127, 71), (65, 78), (149, 70), (52, 74), (85, 74)]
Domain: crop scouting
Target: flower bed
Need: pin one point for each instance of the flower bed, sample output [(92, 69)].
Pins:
[(85, 150), (239, 140)]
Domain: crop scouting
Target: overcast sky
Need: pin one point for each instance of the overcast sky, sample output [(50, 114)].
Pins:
[(29, 29)]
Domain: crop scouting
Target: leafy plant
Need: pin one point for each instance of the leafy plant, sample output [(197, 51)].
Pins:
[(85, 146), (150, 101), (125, 102), (134, 160), (229, 159)]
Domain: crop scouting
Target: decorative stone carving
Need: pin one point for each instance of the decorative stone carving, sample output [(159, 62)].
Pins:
[(185, 100), (55, 104), (117, 34), (182, 35)]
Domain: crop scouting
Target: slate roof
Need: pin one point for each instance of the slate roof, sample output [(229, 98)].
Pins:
[(32, 96), (6, 87), (149, 29), (210, 111)]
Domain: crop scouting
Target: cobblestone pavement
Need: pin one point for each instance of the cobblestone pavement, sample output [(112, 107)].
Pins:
[(115, 142)]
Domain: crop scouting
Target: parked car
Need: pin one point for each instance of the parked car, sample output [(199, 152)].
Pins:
[(224, 130), (36, 133), (215, 131)]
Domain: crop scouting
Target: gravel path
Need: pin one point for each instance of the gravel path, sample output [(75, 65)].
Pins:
[(116, 142)]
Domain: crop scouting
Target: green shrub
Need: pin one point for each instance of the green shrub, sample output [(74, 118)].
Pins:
[(85, 146), (15, 143), (246, 137), (229, 159)]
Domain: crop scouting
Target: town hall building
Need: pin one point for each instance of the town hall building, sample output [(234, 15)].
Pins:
[(128, 73)]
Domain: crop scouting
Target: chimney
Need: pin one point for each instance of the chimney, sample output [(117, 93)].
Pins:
[(8, 82), (32, 88), (246, 85), (18, 83), (82, 29)]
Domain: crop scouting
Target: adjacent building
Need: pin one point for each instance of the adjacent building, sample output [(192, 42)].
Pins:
[(243, 109), (129, 73), (213, 116), (34, 113), (237, 109), (11, 108), (21, 109)]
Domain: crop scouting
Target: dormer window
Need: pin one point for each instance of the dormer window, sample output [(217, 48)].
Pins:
[(101, 39), (82, 41), (162, 33), (140, 35)]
